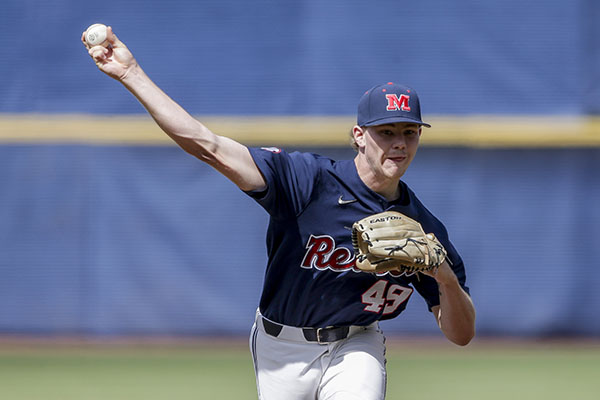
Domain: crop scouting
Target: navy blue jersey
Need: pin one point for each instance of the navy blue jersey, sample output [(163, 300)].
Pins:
[(311, 279)]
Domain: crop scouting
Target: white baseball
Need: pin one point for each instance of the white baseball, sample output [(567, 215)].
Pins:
[(96, 35)]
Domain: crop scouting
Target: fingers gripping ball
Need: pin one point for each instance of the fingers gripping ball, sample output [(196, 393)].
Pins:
[(96, 35), (392, 241)]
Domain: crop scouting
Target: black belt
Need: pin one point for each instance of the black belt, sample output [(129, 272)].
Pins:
[(319, 335)]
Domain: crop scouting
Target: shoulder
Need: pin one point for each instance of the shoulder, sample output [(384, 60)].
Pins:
[(422, 213), (277, 153)]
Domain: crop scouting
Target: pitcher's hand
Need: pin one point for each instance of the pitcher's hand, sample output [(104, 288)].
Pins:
[(115, 60)]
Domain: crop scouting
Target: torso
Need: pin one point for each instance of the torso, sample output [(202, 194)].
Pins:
[(311, 278)]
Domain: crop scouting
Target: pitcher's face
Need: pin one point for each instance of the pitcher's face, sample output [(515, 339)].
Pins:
[(389, 149)]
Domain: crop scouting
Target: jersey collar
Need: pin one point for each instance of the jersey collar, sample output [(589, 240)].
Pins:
[(357, 189)]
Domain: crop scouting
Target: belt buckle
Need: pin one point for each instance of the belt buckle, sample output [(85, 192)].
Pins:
[(319, 330)]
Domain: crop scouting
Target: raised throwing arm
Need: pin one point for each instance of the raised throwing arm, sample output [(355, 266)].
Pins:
[(227, 156)]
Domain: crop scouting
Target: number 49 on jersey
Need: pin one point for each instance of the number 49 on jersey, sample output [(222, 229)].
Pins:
[(385, 295)]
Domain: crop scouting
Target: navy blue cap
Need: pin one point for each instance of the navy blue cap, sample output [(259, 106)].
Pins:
[(389, 103)]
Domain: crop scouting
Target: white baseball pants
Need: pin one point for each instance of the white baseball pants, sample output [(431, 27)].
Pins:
[(288, 367)]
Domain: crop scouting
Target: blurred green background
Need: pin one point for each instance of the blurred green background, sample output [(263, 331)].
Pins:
[(417, 369)]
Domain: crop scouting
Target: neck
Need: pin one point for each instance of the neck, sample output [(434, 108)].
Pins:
[(387, 187)]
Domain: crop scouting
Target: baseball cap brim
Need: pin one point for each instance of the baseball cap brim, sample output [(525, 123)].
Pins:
[(391, 120)]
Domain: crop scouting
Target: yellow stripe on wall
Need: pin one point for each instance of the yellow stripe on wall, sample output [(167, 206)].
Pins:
[(474, 131)]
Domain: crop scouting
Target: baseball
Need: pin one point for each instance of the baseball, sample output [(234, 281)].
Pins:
[(96, 34)]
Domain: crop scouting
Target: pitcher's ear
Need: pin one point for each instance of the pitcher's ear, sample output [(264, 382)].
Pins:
[(358, 134)]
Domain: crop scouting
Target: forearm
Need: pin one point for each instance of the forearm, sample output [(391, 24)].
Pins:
[(184, 129), (456, 313)]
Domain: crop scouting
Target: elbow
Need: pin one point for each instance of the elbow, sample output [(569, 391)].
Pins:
[(200, 143), (464, 338), (201, 153), (463, 341)]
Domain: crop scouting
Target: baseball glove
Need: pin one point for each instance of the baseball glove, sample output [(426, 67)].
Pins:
[(392, 241)]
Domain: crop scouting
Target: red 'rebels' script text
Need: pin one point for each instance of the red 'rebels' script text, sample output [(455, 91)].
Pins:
[(322, 254)]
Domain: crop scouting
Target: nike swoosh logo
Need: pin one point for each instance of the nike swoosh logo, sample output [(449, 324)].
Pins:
[(341, 201)]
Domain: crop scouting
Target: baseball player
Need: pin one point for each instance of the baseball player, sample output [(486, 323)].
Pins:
[(316, 333)]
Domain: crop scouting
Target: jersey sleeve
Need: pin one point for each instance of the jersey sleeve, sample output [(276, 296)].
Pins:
[(290, 177)]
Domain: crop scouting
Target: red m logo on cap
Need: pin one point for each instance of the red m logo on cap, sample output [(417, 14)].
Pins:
[(395, 103)]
